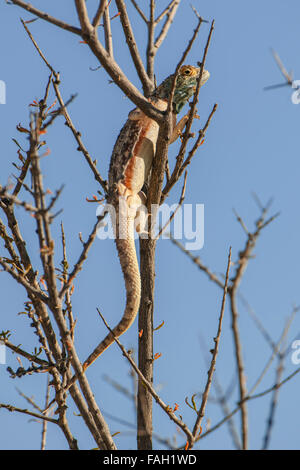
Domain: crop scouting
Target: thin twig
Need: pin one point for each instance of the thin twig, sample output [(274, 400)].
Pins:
[(27, 355), (181, 200), (181, 165), (275, 351), (112, 68), (148, 385), (139, 10), (274, 402), (27, 412), (44, 424), (99, 13), (107, 33), (78, 265), (196, 259), (242, 263), (150, 53), (165, 11), (47, 17), (13, 199), (21, 279), (39, 50), (78, 139), (169, 20), (64, 111), (249, 398), (58, 112), (201, 412), (146, 81), (288, 76)]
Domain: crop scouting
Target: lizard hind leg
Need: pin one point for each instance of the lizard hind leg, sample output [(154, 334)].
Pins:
[(141, 216)]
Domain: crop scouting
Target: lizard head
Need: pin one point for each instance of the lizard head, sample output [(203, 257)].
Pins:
[(185, 86)]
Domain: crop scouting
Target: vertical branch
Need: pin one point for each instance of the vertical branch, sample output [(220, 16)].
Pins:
[(150, 47), (201, 412), (240, 367), (242, 263), (169, 20), (107, 33), (139, 10), (146, 80), (145, 353), (154, 44), (99, 13), (44, 424), (274, 402), (279, 372), (147, 266)]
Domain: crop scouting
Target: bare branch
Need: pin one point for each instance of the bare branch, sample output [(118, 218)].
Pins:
[(180, 166), (196, 259), (148, 385), (89, 35), (78, 138), (150, 47), (242, 263), (107, 33), (215, 351), (5, 196), (38, 49), (82, 258), (248, 398), (44, 427), (240, 367), (163, 140), (138, 9), (165, 11), (275, 350), (20, 278), (112, 68), (181, 200), (47, 17), (64, 111), (99, 13), (287, 76), (135, 55), (30, 357), (30, 413), (274, 402), (169, 20)]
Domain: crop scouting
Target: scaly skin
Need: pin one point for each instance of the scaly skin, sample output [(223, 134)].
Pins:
[(130, 166)]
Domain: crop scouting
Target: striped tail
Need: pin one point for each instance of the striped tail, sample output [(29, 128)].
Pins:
[(131, 273)]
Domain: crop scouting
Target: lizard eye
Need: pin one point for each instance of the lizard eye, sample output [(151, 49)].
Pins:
[(187, 72)]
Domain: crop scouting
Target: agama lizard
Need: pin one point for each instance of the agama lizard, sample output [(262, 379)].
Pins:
[(130, 166)]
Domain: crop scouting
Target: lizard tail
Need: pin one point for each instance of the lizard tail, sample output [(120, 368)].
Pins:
[(131, 273)]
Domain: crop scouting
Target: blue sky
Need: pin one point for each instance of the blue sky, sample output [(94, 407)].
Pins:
[(252, 145)]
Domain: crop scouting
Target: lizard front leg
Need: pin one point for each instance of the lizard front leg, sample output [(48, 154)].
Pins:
[(177, 131)]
